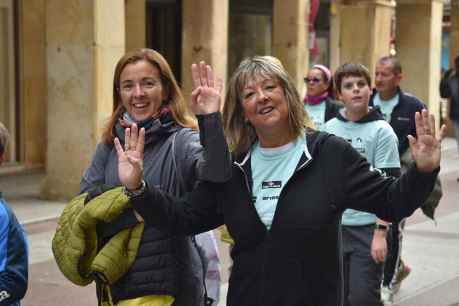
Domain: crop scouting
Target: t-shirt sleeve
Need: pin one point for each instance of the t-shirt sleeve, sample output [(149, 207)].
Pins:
[(386, 154)]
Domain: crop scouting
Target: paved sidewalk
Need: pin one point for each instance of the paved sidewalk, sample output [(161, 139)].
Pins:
[(432, 250)]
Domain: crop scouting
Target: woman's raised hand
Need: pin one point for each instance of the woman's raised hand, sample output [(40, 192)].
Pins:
[(206, 94), (130, 159), (426, 147)]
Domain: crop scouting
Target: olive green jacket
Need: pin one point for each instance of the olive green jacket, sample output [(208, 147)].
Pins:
[(75, 241)]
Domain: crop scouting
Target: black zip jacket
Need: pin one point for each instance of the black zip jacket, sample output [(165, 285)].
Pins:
[(298, 262), (402, 118), (449, 88)]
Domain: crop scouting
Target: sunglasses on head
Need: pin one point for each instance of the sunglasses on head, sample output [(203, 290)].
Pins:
[(313, 80)]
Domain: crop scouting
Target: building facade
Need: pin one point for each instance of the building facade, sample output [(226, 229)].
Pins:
[(58, 57)]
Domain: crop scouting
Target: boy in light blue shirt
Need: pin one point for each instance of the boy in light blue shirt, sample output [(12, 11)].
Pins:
[(364, 235)]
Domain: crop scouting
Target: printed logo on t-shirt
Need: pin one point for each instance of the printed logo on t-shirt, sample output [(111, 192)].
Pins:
[(271, 184), (403, 119), (270, 198), (358, 144)]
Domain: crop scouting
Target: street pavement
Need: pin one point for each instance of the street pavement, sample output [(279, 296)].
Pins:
[(430, 248)]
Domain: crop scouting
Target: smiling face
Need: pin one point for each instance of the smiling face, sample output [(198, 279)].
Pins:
[(265, 105), (316, 83), (355, 93), (141, 90)]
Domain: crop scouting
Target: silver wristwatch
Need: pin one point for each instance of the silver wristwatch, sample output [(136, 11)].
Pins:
[(135, 193)]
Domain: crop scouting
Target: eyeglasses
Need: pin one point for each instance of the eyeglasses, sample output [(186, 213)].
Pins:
[(313, 80)]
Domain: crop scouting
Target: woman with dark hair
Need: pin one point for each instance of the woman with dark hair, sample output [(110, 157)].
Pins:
[(168, 268), (319, 101), (288, 190)]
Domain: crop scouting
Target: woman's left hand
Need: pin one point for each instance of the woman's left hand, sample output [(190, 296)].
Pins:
[(130, 159), (206, 94), (426, 148)]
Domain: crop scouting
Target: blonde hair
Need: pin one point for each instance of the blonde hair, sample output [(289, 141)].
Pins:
[(241, 135), (174, 98), (4, 138)]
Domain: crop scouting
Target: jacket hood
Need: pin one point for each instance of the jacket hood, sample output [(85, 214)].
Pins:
[(161, 126), (373, 115)]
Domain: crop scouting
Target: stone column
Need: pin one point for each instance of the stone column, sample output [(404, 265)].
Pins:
[(334, 36), (454, 33), (85, 39), (364, 33), (204, 37), (418, 40), (289, 37), (32, 73), (135, 24)]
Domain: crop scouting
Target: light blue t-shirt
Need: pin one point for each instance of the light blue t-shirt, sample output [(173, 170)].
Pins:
[(317, 114), (271, 170), (377, 142), (386, 106)]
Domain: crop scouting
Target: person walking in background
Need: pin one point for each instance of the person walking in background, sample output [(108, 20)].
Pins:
[(399, 109), (364, 235), (449, 89), (319, 101), (284, 201), (13, 246), (168, 269)]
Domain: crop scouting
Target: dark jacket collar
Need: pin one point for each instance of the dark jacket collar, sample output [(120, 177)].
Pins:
[(313, 137), (373, 115), (400, 93)]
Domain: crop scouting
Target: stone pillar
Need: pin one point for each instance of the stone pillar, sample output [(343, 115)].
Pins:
[(85, 39), (204, 37), (454, 33), (418, 39), (365, 31), (32, 73), (289, 37), (334, 36), (135, 24)]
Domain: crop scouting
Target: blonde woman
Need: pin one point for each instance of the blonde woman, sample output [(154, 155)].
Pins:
[(288, 190)]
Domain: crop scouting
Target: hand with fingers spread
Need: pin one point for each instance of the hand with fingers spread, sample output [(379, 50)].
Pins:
[(206, 94), (426, 148), (130, 159)]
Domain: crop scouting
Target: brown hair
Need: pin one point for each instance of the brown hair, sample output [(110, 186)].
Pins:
[(351, 69), (4, 137), (240, 134), (174, 97)]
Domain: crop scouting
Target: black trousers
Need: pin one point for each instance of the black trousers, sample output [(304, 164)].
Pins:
[(362, 275), (394, 244)]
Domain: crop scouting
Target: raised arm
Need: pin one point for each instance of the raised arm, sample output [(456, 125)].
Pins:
[(388, 198), (214, 164)]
